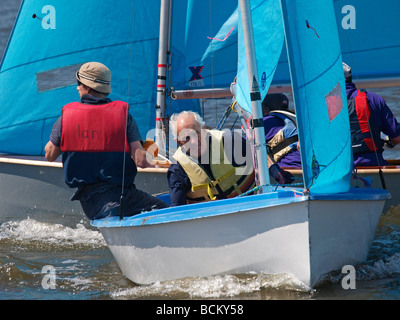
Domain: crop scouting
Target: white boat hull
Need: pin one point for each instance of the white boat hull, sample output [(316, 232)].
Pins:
[(341, 233), (303, 237), (32, 186)]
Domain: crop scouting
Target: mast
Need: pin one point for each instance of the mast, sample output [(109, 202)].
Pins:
[(255, 97), (163, 48)]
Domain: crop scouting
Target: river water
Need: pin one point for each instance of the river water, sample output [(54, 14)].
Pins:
[(64, 258), (84, 269)]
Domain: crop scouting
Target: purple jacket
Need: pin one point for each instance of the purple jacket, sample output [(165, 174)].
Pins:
[(272, 125), (384, 120)]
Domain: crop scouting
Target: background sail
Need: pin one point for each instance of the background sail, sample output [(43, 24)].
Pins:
[(268, 38), (368, 33), (37, 75), (319, 94), (203, 47), (369, 40)]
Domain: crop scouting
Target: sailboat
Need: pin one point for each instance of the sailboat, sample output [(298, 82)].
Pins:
[(43, 47), (305, 233)]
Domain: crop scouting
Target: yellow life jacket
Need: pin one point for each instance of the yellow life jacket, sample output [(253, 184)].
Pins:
[(224, 182)]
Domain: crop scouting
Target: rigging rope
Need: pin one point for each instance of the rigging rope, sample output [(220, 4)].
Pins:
[(226, 114), (126, 122), (255, 189)]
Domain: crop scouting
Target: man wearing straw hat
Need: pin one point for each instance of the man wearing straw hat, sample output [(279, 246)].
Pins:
[(101, 149)]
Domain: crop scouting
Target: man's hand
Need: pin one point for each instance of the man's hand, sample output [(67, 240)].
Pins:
[(150, 146), (281, 176), (52, 151), (388, 142)]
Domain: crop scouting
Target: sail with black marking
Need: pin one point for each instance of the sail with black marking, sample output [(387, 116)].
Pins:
[(315, 62)]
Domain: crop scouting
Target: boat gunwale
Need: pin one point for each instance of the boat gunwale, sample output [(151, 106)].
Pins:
[(160, 167), (204, 209), (39, 161), (228, 206)]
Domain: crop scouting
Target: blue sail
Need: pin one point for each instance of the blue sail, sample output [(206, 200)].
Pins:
[(371, 51), (51, 40), (369, 38), (268, 38), (315, 62), (203, 47), (37, 71), (203, 44), (49, 48), (368, 33)]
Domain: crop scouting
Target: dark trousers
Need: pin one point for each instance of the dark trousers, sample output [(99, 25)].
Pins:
[(103, 199)]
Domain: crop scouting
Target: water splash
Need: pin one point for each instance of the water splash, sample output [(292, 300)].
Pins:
[(217, 287), (30, 230)]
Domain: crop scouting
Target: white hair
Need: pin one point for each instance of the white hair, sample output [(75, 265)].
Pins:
[(175, 116)]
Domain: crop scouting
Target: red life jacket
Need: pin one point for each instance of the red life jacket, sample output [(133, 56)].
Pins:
[(364, 132), (92, 142), (94, 128)]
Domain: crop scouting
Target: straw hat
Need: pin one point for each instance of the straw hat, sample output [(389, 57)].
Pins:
[(95, 75)]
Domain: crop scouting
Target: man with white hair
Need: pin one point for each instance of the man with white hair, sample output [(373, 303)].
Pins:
[(369, 116), (211, 164)]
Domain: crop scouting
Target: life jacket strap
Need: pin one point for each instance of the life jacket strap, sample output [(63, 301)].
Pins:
[(282, 145), (211, 186)]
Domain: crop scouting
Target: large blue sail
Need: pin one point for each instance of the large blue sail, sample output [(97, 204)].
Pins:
[(48, 49), (319, 93), (51, 40), (268, 38)]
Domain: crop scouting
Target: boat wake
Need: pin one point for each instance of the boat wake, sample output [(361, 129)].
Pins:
[(239, 286), (77, 255), (384, 256), (47, 236)]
